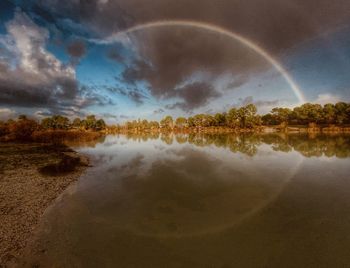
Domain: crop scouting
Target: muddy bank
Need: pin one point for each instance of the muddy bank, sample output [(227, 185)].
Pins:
[(31, 177)]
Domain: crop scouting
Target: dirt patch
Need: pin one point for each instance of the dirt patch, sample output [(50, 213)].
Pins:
[(31, 177)]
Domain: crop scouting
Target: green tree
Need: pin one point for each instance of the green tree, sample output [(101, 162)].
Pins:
[(55, 122), (281, 115), (329, 113), (341, 112), (220, 119), (232, 118), (76, 123), (248, 117), (308, 113)]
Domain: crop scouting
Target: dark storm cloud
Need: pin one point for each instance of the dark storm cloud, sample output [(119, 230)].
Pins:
[(22, 95), (275, 24), (60, 96), (169, 58), (102, 17), (237, 82), (194, 96)]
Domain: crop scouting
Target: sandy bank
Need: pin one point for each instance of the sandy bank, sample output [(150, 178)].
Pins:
[(31, 177)]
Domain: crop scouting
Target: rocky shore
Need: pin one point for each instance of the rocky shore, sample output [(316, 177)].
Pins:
[(32, 176)]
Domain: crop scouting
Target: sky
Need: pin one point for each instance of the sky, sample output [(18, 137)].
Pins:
[(129, 59)]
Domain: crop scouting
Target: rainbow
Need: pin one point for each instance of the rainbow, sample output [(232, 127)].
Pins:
[(213, 28)]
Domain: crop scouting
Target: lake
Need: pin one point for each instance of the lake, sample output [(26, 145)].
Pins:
[(203, 200)]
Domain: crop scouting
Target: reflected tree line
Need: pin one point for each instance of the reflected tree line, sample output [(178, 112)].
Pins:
[(309, 145)]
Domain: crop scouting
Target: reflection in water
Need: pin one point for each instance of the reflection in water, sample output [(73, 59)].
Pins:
[(200, 200)]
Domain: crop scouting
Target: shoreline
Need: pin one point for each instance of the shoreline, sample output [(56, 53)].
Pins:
[(333, 129), (32, 177)]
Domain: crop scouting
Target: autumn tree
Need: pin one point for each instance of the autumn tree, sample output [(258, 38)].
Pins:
[(167, 122), (181, 122), (23, 128)]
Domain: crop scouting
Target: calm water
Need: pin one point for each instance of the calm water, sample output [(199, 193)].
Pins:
[(204, 201)]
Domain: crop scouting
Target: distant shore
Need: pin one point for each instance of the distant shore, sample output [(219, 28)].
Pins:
[(260, 129), (32, 176)]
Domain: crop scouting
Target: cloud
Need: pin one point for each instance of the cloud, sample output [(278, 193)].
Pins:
[(122, 116), (109, 116), (237, 82), (194, 95), (134, 94), (260, 104), (45, 81), (159, 111), (275, 24), (327, 98), (167, 60), (6, 114), (169, 57)]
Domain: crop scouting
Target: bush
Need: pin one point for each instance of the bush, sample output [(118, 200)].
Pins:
[(22, 129)]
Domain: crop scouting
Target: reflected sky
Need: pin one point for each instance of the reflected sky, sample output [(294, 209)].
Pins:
[(148, 193)]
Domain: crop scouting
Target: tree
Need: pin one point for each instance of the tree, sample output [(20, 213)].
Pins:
[(90, 122), (329, 113), (55, 122), (23, 129), (190, 122), (341, 112), (281, 115), (308, 113), (154, 125), (232, 118), (181, 122), (201, 120), (167, 122), (248, 117), (220, 119), (100, 125), (22, 117), (76, 123), (268, 120), (3, 128)]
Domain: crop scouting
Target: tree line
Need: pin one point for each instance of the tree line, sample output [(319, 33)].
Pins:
[(246, 117), (23, 127)]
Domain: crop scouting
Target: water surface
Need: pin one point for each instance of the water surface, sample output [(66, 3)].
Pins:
[(201, 200)]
